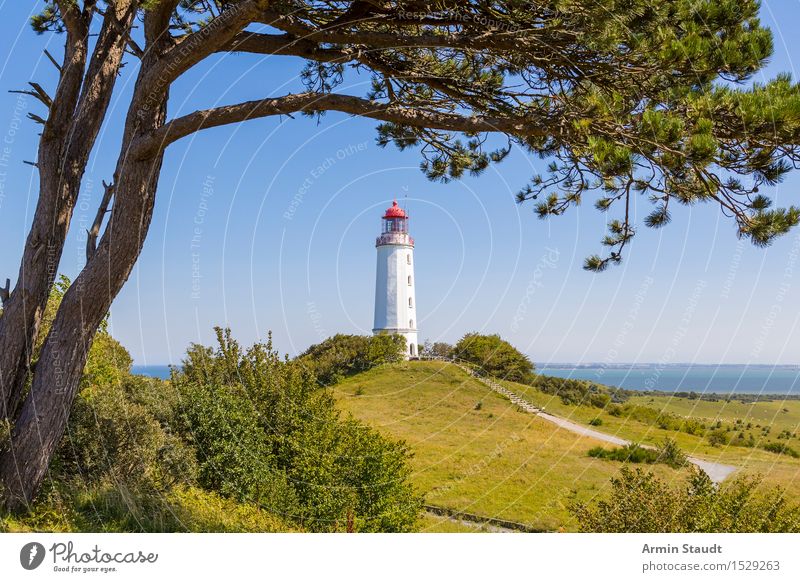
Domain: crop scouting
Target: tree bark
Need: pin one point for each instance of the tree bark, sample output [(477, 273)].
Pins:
[(45, 411), (74, 121)]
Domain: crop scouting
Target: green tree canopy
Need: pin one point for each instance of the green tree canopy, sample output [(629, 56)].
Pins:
[(494, 356), (342, 355)]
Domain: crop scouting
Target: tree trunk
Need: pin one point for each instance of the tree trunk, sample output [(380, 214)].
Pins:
[(75, 117), (45, 411)]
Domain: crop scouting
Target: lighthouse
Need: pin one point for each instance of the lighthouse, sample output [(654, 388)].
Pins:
[(395, 301)]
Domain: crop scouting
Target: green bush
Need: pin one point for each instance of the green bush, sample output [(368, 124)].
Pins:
[(577, 392), (112, 438), (667, 452), (671, 454), (640, 502), (596, 422), (782, 449), (343, 355), (494, 356), (437, 350), (630, 453), (718, 438), (654, 417), (265, 433)]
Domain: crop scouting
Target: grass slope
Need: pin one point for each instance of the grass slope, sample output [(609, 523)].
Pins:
[(475, 451), (776, 469)]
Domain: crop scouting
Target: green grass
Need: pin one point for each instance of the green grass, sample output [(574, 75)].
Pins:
[(111, 509), (780, 414), (775, 468), (492, 460)]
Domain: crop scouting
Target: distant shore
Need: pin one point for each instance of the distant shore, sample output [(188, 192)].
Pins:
[(721, 379), (709, 380)]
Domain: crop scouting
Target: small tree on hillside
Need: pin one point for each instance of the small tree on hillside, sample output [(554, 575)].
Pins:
[(495, 356), (437, 350)]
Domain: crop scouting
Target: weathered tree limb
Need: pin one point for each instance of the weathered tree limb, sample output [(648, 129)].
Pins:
[(94, 231), (196, 46), (283, 44), (52, 59), (38, 93), (5, 291), (310, 102)]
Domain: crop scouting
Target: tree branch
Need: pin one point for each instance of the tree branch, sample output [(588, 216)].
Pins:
[(72, 17), (52, 60), (521, 41), (94, 231), (38, 92), (282, 44), (198, 45), (311, 102), (101, 76), (5, 292), (70, 72)]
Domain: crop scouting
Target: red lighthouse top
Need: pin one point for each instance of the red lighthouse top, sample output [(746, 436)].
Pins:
[(395, 211)]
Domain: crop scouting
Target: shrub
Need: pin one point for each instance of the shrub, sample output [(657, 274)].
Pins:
[(640, 502), (718, 438), (267, 434), (438, 350), (495, 357), (111, 437), (596, 421), (575, 392), (119, 428), (630, 453), (343, 355), (671, 454), (782, 449)]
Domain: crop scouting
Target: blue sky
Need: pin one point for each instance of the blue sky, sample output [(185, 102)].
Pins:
[(270, 225)]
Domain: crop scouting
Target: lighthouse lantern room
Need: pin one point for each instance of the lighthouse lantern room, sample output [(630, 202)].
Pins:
[(395, 301)]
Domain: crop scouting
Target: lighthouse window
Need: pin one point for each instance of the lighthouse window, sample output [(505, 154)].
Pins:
[(408, 259), (409, 280), (410, 302), (410, 324)]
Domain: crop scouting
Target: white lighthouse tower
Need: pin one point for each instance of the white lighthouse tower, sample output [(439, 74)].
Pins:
[(395, 301)]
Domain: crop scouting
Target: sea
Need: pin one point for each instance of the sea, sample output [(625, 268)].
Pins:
[(156, 371), (721, 379)]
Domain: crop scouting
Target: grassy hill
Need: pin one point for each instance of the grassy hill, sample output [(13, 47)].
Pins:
[(474, 450), (477, 452), (722, 416)]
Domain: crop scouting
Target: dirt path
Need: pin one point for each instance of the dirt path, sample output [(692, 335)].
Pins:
[(717, 472)]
